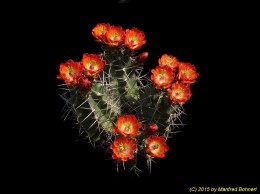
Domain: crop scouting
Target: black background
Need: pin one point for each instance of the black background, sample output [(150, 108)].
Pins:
[(219, 144)]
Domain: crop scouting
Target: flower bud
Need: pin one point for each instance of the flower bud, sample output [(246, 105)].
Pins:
[(152, 128), (85, 84), (142, 57)]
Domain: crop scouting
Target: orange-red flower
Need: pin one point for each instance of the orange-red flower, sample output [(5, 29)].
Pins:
[(123, 149), (162, 76), (115, 35), (187, 73), (156, 146), (152, 127), (70, 72), (134, 38), (127, 125), (168, 60), (179, 92), (92, 64), (99, 31)]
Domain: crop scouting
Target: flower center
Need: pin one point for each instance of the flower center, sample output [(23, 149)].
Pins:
[(92, 65), (168, 61), (155, 146), (103, 30), (188, 72), (162, 78), (123, 148), (115, 36), (127, 127), (134, 39), (70, 71), (179, 92)]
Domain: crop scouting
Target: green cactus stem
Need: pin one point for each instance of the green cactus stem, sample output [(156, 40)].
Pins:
[(114, 92), (156, 107)]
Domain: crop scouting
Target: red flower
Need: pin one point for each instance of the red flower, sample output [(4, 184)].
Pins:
[(179, 92), (162, 76), (134, 38), (115, 35), (127, 125), (92, 64), (99, 31), (85, 84), (123, 149), (187, 73), (156, 146), (168, 60), (152, 127), (70, 72)]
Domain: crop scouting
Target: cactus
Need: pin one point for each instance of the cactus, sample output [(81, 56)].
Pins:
[(119, 107)]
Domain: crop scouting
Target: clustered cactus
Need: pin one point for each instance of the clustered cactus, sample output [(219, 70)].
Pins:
[(119, 108)]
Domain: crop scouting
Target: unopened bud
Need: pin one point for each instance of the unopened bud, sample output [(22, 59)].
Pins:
[(152, 127), (142, 57), (85, 84)]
